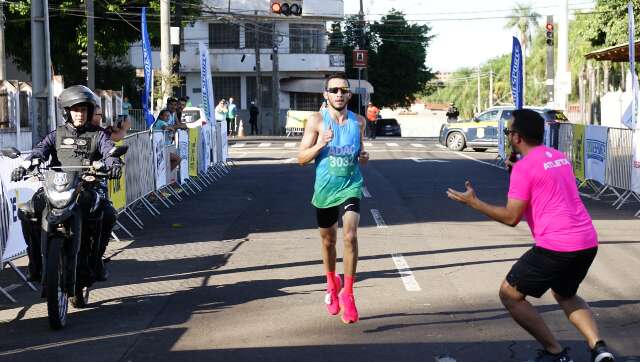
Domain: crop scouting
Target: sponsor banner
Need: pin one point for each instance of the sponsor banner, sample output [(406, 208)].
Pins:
[(595, 152), (501, 139), (578, 151), (160, 159), (183, 152), (206, 83), (516, 73), (635, 170), (117, 189), (194, 141), (297, 119), (12, 194), (148, 66)]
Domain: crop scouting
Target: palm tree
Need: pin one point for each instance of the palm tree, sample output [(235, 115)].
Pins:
[(524, 19)]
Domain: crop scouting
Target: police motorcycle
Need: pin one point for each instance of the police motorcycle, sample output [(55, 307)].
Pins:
[(70, 230)]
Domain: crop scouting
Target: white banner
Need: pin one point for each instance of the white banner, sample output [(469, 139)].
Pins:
[(205, 144), (183, 151), (12, 194), (213, 129), (595, 153), (160, 158), (501, 139), (205, 82), (224, 140), (635, 171)]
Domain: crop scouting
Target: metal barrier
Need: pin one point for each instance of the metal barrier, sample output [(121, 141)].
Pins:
[(137, 120)]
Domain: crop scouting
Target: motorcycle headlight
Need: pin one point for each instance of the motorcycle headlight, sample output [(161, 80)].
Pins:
[(60, 199)]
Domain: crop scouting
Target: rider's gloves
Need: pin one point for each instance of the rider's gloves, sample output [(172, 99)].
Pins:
[(18, 173), (115, 172)]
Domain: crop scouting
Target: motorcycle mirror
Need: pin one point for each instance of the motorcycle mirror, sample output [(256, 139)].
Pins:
[(118, 151), (10, 152)]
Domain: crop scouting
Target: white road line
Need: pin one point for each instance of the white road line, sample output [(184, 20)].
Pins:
[(392, 144), (368, 144), (240, 155), (378, 219), (239, 145), (265, 144), (423, 160), (291, 160), (366, 193), (480, 161), (410, 283), (418, 145), (290, 144)]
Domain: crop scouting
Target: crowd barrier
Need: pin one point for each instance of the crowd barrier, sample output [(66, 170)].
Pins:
[(147, 175), (602, 159)]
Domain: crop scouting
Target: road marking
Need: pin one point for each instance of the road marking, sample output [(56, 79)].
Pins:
[(423, 160), (378, 219), (418, 145), (368, 144), (366, 193), (239, 145), (241, 155), (290, 144), (265, 144), (445, 359), (480, 161), (409, 281), (291, 160), (391, 144), (440, 146)]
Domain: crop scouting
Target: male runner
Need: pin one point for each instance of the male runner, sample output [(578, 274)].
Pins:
[(543, 190), (333, 138)]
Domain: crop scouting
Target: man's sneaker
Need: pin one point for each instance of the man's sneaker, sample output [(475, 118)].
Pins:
[(545, 356), (331, 298), (600, 353), (348, 305)]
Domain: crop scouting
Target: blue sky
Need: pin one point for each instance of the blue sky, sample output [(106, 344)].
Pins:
[(462, 43)]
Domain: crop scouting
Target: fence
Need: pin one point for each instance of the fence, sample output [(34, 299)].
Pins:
[(147, 173)]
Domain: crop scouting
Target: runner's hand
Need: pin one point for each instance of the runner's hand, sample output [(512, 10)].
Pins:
[(327, 136), (466, 197), (363, 157)]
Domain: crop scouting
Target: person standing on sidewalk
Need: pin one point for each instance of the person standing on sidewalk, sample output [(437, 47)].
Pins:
[(543, 190), (232, 114), (253, 117), (333, 138), (372, 119)]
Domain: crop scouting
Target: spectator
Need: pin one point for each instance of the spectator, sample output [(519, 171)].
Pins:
[(126, 106), (452, 113), (162, 124), (253, 117), (221, 111), (119, 130), (232, 114), (172, 107), (372, 119), (182, 104)]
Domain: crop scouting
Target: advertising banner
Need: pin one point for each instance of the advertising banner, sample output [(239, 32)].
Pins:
[(595, 153), (635, 170), (194, 141), (183, 152), (148, 66), (516, 73), (206, 83), (160, 159), (578, 151)]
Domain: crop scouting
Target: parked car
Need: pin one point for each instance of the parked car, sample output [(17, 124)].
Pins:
[(388, 127), (481, 132)]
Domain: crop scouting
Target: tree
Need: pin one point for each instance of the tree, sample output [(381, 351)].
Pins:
[(524, 19), (117, 24)]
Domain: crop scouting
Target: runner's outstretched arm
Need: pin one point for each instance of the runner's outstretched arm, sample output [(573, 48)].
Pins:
[(508, 215), (311, 144)]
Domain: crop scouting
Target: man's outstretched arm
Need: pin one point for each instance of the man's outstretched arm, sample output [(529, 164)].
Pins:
[(511, 214)]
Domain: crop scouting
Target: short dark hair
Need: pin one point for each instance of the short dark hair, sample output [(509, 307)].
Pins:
[(529, 124), (171, 100), (183, 99), (163, 112), (335, 76)]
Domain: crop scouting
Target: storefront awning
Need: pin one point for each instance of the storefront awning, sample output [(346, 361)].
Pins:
[(618, 53), (316, 85)]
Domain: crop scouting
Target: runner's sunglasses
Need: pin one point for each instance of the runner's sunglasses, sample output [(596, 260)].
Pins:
[(335, 90)]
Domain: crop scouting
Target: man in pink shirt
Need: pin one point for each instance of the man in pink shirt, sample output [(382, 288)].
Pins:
[(543, 191)]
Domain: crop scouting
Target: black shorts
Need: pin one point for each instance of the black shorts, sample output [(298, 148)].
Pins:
[(329, 216), (539, 269)]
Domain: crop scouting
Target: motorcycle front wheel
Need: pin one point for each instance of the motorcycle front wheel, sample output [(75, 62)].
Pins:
[(57, 298)]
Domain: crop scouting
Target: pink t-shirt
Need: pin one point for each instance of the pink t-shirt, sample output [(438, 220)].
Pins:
[(556, 215)]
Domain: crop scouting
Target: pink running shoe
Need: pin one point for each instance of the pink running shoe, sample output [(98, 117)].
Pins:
[(348, 305), (331, 298)]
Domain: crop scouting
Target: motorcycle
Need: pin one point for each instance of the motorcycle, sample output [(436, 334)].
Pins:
[(70, 231)]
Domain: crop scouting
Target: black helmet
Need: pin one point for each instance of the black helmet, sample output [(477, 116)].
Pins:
[(78, 94)]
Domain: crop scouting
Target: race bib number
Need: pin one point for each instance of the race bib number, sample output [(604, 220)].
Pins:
[(341, 165)]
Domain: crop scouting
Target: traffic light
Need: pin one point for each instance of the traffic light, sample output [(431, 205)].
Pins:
[(549, 28), (84, 61), (287, 7)]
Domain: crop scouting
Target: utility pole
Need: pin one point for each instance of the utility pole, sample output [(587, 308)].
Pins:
[(363, 47), (479, 89), (490, 88), (3, 66), (175, 64), (275, 82), (40, 69), (256, 46), (562, 83), (165, 47), (91, 53), (550, 64)]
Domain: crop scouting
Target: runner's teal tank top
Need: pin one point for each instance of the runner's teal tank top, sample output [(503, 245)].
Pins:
[(338, 176)]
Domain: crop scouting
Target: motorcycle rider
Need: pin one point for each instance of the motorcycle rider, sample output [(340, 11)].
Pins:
[(75, 143), (452, 113)]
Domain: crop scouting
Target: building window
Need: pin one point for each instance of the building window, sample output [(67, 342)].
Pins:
[(265, 35), (224, 36), (305, 101), (226, 87), (306, 38), (266, 91)]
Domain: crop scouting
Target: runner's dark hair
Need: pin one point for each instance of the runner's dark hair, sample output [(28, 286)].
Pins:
[(529, 124), (336, 76)]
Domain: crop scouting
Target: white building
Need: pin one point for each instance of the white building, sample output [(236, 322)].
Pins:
[(303, 57)]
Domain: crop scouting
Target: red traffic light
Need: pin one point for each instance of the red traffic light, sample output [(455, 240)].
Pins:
[(549, 27), (276, 7)]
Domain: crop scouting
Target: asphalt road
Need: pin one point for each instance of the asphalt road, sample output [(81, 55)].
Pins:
[(234, 273)]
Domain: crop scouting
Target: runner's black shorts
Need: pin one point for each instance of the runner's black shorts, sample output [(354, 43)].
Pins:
[(329, 216), (539, 270)]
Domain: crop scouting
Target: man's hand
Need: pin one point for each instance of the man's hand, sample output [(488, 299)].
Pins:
[(363, 157), (18, 173), (468, 197), (327, 136), (115, 172)]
